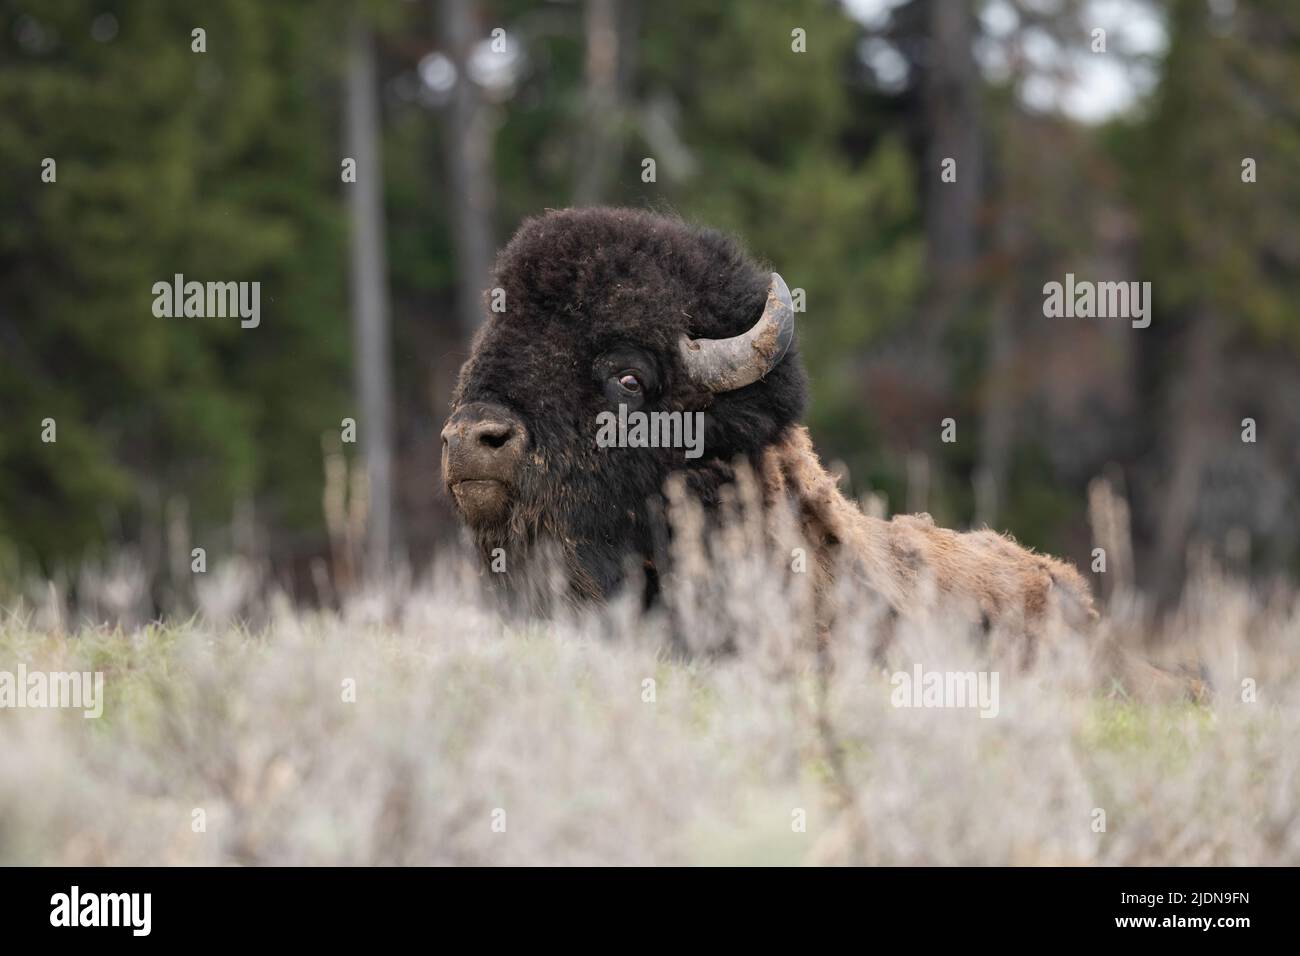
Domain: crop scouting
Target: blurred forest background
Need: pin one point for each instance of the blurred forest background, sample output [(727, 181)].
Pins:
[(924, 297)]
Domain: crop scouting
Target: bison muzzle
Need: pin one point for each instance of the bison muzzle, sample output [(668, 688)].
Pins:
[(482, 449)]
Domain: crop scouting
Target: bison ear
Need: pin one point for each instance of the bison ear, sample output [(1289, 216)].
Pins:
[(723, 365)]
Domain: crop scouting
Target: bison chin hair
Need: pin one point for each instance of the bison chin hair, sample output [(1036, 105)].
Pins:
[(553, 547)]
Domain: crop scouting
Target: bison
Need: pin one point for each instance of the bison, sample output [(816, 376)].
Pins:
[(617, 310)]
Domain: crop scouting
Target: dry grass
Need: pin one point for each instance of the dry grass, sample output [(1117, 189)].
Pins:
[(459, 714)]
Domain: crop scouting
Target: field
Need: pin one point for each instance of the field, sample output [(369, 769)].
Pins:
[(416, 726)]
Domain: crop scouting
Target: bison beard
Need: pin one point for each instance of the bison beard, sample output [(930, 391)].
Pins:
[(611, 306)]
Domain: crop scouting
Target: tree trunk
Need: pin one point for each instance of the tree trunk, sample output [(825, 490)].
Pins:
[(370, 298), (469, 161), (951, 95), (997, 420), (606, 28), (1194, 401)]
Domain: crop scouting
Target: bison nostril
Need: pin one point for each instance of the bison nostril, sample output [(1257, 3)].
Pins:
[(493, 434)]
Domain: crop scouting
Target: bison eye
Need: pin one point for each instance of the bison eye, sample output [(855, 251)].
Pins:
[(625, 375)]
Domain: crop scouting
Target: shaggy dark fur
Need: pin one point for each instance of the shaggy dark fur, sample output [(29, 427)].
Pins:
[(581, 283)]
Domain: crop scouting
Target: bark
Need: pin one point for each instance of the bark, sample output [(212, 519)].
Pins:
[(1193, 410), (470, 197), (951, 95), (370, 322), (609, 26), (997, 424)]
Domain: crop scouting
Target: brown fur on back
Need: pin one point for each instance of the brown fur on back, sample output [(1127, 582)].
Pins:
[(908, 560)]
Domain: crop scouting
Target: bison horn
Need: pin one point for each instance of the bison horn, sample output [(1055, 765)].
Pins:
[(722, 365)]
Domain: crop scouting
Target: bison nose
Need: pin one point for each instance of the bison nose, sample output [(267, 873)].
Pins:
[(482, 442), (492, 434), (480, 438)]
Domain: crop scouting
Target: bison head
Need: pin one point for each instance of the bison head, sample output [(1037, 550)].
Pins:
[(595, 309)]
